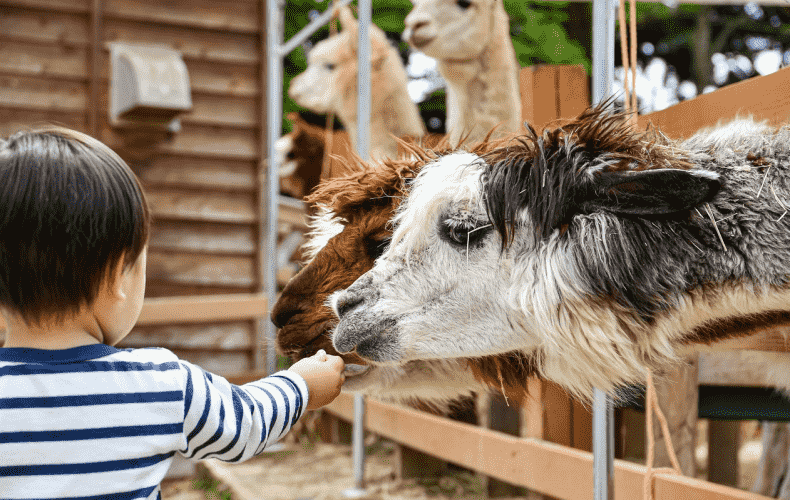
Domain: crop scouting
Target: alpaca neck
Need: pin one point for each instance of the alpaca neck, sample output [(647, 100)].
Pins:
[(483, 91), (393, 114)]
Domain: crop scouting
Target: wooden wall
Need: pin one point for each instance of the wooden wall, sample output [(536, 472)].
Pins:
[(203, 181)]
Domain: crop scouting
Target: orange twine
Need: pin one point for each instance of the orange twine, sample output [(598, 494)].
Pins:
[(630, 104), (651, 405), (329, 132)]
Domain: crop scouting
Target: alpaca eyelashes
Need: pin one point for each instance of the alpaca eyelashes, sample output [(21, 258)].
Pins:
[(464, 234)]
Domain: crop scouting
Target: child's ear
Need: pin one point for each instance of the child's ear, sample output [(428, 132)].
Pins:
[(114, 280)]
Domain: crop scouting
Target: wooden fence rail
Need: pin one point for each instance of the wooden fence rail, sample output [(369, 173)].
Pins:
[(541, 466)]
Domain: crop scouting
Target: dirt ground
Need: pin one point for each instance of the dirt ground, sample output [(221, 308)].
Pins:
[(320, 471)]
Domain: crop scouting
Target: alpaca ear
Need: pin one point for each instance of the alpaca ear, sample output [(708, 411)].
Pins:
[(650, 192), (347, 20)]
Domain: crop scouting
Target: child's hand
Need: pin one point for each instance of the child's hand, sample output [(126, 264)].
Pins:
[(324, 376)]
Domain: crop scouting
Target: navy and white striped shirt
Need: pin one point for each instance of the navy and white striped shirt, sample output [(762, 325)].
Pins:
[(96, 422)]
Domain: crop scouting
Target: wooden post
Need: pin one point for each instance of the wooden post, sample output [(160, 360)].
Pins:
[(678, 395), (723, 451)]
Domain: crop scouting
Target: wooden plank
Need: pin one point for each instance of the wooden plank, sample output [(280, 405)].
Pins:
[(573, 92), (70, 6), (44, 27), (190, 269), (49, 61), (196, 14), (155, 288), (202, 237), (544, 95), (193, 44), (14, 120), (737, 368), (526, 80), (196, 141), (212, 77), (43, 94), (209, 110), (171, 310), (775, 338), (218, 362), (764, 97), (535, 464), (206, 206), (217, 336), (199, 172)]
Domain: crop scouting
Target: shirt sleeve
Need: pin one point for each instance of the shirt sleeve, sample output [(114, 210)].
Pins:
[(234, 423)]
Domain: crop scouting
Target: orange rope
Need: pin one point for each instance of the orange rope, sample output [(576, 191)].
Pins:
[(651, 405), (634, 104), (630, 104)]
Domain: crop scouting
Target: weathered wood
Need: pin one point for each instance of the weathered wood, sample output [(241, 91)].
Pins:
[(196, 14), (192, 140), (44, 27), (549, 93), (174, 310), (94, 63), (46, 61), (198, 172), (219, 362), (736, 369), (30, 93), (219, 336), (14, 120), (192, 269), (201, 45), (723, 451), (772, 469), (202, 237), (71, 6), (155, 288), (677, 395), (193, 205), (546, 467), (764, 97)]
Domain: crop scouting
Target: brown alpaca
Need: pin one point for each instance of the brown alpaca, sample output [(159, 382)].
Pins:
[(350, 232), (329, 84), (302, 157), (471, 41)]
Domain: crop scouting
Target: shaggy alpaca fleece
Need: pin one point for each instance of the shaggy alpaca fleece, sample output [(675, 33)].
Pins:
[(350, 230), (596, 251)]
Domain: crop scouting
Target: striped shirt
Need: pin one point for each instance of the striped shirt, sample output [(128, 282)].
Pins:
[(96, 422)]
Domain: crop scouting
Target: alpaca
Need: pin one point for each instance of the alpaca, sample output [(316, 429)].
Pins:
[(301, 157), (471, 41), (595, 251), (329, 84), (350, 231)]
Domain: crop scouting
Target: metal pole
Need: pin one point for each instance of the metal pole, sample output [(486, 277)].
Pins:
[(363, 150), (603, 410), (271, 180)]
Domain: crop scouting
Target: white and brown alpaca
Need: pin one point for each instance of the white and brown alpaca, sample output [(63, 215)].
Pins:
[(597, 252), (470, 39), (329, 84)]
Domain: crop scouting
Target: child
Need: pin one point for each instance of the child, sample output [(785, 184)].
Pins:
[(78, 417)]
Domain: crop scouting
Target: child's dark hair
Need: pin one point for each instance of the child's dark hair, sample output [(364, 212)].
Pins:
[(70, 210)]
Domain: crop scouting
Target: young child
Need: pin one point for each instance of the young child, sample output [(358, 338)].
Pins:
[(81, 419)]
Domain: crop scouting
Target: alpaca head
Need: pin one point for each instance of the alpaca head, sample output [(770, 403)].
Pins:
[(594, 250), (452, 29), (329, 84)]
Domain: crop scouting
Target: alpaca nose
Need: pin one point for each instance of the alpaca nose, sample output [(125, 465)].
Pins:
[(285, 309), (347, 301)]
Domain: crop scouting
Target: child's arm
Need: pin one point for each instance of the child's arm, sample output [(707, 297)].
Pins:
[(233, 423)]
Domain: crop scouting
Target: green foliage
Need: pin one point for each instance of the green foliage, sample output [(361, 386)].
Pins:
[(539, 36), (213, 489)]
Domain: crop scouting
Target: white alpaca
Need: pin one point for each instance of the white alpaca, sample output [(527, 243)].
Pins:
[(471, 41), (329, 84), (597, 252)]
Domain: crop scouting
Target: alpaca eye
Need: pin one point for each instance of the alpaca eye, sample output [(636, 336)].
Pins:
[(464, 4), (463, 234), (375, 247), (330, 66)]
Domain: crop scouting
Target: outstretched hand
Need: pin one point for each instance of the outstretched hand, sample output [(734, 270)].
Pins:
[(324, 376)]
